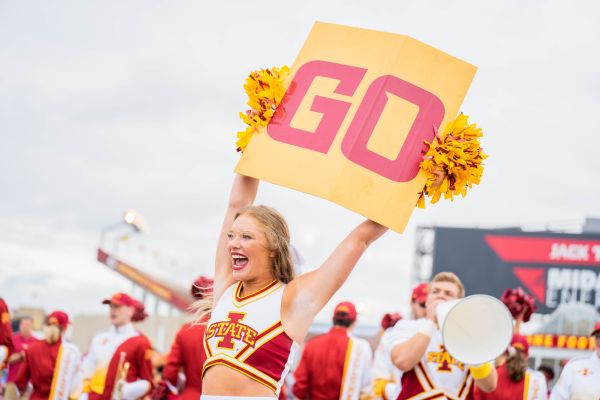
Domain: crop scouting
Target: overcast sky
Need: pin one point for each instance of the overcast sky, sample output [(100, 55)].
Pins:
[(108, 105)]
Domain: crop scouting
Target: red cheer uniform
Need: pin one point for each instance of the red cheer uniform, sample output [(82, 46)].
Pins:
[(138, 353), (187, 352), (38, 368)]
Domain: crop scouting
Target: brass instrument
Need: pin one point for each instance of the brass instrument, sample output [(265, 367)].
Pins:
[(121, 378)]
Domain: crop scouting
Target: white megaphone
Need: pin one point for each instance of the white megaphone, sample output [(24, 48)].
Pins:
[(476, 329)]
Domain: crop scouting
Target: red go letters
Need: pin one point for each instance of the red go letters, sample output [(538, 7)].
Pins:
[(354, 144)]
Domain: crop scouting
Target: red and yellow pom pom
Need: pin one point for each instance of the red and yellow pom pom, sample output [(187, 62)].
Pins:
[(265, 91), (453, 163)]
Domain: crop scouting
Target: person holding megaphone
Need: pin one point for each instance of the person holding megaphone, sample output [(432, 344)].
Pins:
[(416, 348)]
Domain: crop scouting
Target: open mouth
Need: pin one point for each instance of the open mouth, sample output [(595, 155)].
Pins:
[(239, 261)]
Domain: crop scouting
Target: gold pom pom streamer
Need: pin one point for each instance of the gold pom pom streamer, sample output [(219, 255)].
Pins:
[(265, 91), (453, 163)]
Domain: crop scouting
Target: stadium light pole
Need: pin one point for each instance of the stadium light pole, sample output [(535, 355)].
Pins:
[(135, 220), (130, 218)]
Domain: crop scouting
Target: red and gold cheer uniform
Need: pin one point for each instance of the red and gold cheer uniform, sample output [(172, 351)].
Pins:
[(187, 352), (245, 333), (437, 375)]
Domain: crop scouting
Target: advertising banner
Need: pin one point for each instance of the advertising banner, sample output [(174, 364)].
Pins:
[(554, 268), (569, 342)]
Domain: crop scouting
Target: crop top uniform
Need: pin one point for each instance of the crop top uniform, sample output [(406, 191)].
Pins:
[(245, 333)]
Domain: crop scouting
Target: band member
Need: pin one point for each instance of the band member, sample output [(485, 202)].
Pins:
[(187, 353), (52, 364), (335, 365), (261, 311), (118, 364), (580, 379), (515, 380), (386, 377), (139, 311), (6, 344), (21, 341), (416, 349)]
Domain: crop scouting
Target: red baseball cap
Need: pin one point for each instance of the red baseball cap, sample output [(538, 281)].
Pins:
[(59, 318), (596, 329), (345, 310), (120, 299), (140, 313), (419, 293), (202, 286), (519, 342)]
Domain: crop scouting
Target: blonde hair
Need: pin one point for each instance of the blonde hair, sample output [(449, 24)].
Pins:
[(277, 233), (452, 278), (202, 308)]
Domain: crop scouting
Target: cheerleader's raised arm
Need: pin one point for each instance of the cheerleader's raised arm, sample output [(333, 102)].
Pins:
[(306, 295)]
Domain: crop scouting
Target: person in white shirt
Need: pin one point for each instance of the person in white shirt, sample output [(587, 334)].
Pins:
[(416, 348), (580, 379), (104, 374), (386, 377)]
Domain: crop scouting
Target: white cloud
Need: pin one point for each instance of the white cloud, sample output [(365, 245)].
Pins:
[(110, 105)]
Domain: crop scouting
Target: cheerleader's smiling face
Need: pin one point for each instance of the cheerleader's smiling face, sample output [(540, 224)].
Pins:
[(248, 247)]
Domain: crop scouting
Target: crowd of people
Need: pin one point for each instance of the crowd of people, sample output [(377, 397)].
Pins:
[(409, 360), (251, 321)]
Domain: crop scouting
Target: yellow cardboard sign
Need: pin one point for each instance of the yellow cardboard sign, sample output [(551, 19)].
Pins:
[(357, 108)]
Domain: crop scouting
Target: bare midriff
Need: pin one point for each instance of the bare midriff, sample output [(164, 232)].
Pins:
[(220, 380)]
